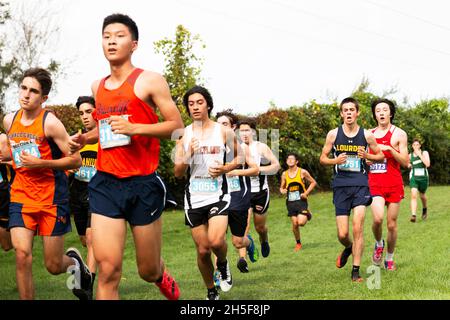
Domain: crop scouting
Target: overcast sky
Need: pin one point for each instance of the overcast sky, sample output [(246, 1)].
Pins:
[(284, 51)]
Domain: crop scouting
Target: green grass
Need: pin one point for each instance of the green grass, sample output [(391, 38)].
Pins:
[(421, 256)]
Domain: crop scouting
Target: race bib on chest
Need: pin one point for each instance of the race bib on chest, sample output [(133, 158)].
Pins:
[(380, 167), (294, 196), (419, 172), (85, 173), (203, 186), (109, 139), (29, 147), (233, 184), (353, 164)]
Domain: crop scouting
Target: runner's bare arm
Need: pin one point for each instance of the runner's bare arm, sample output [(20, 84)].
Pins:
[(5, 146), (253, 168), (328, 146), (182, 158), (312, 182), (239, 157), (274, 166), (425, 157), (54, 129), (377, 155), (283, 189), (402, 155)]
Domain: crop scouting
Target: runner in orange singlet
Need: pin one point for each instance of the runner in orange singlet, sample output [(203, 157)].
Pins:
[(126, 186), (37, 142)]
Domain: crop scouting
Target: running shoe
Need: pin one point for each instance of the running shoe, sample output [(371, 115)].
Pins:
[(356, 277), (343, 257), (252, 251), (226, 281), (216, 278), (83, 282), (389, 265), (298, 246), (413, 218), (424, 214), (242, 266), (212, 295), (168, 287), (377, 256), (265, 249)]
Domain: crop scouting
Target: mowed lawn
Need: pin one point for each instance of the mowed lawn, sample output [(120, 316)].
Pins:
[(422, 257)]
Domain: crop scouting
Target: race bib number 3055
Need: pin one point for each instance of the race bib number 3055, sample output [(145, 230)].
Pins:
[(352, 164), (109, 139), (204, 186), (29, 147)]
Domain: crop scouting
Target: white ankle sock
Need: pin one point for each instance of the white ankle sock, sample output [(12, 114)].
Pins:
[(389, 256), (380, 243)]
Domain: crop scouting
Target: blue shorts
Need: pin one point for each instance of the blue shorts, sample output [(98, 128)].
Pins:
[(139, 200), (347, 198)]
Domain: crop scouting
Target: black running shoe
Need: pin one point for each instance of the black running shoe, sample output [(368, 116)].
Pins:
[(242, 265), (356, 277), (226, 281), (212, 295), (343, 257), (83, 283), (265, 249)]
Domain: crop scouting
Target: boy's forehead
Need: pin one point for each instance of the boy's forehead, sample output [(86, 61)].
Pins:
[(31, 83), (116, 27)]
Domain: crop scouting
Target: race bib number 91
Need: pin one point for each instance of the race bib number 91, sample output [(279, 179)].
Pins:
[(353, 164), (108, 139), (29, 147)]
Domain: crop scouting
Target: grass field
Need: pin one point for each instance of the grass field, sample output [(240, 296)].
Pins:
[(422, 258)]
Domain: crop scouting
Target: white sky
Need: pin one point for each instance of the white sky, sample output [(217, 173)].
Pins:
[(284, 51)]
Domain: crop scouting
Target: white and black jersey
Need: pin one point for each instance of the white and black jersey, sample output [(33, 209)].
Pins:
[(203, 190), (259, 182)]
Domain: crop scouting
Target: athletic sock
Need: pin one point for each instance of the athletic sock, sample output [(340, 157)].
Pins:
[(380, 243), (389, 256), (424, 210), (355, 269), (298, 241)]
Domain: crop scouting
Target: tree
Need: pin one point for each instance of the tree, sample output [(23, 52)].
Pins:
[(29, 36), (182, 71), (182, 66)]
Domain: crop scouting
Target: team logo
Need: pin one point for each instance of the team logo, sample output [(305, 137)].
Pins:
[(213, 210)]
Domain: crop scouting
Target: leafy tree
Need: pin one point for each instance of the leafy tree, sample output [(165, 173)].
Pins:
[(182, 71)]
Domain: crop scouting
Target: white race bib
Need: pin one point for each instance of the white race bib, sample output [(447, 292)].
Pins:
[(378, 167), (108, 139), (233, 184), (203, 186), (294, 196), (353, 164), (85, 174), (29, 147), (419, 172)]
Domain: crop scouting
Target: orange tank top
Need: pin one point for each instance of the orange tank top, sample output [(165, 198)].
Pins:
[(140, 155), (37, 187)]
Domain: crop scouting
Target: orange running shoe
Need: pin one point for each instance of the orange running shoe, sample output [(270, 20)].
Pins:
[(298, 246), (168, 287)]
